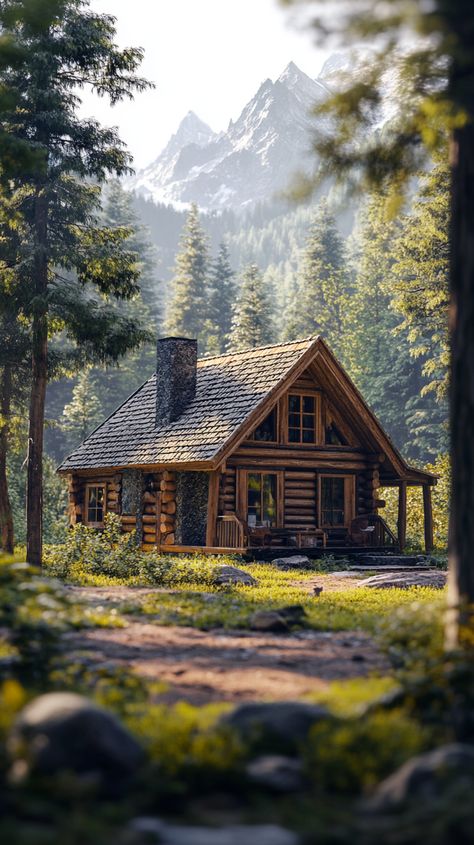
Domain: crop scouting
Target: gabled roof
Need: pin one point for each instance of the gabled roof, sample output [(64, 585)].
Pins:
[(229, 389), (234, 392)]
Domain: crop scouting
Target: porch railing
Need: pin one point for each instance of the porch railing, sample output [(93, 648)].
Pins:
[(231, 532)]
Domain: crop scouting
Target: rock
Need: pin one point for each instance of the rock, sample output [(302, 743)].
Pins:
[(424, 779), (404, 580), (155, 830), (232, 575), (277, 620), (63, 731), (278, 725), (293, 562), (277, 773), (268, 620)]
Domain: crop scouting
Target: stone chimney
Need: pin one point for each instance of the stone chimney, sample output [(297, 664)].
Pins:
[(176, 361)]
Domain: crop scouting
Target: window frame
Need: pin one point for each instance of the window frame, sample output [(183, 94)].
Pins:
[(88, 487), (302, 394), (349, 499), (242, 493), (252, 439)]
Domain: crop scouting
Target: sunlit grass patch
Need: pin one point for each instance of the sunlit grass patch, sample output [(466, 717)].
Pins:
[(350, 697)]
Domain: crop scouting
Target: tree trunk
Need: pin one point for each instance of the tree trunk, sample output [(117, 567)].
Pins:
[(7, 540), (461, 557), (34, 489)]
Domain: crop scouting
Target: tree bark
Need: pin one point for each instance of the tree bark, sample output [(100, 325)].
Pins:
[(34, 490), (461, 556), (7, 538)]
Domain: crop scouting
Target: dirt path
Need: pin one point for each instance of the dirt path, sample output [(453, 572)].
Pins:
[(218, 665)]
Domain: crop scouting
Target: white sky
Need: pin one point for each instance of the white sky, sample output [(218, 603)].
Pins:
[(206, 55)]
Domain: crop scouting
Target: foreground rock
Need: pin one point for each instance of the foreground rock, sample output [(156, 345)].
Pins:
[(278, 725), (281, 620), (425, 779), (62, 731), (276, 773), (232, 575), (154, 830), (293, 562), (403, 580)]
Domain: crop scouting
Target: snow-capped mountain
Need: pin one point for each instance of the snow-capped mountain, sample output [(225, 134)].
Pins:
[(252, 161)]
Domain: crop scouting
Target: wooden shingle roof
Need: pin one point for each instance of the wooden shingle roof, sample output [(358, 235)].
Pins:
[(230, 388)]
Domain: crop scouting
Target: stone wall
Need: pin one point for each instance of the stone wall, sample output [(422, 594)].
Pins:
[(192, 491)]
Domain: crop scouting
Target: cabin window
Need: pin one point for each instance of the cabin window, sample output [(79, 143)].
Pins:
[(334, 437), (262, 499), (266, 431), (301, 418), (95, 505)]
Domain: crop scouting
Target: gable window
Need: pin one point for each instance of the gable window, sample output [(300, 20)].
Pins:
[(266, 431), (333, 437), (301, 418), (262, 499), (95, 505)]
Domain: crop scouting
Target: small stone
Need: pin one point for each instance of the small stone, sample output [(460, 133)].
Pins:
[(424, 778), (268, 620), (284, 724), (293, 562), (63, 731), (277, 620), (233, 575), (404, 580), (155, 830), (276, 773)]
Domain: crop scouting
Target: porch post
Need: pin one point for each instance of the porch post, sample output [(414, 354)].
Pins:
[(212, 508), (402, 514), (428, 517)]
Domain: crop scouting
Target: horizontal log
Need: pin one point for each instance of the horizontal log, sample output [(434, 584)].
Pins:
[(167, 486), (149, 530), (168, 475), (165, 528), (127, 529), (149, 509), (168, 507), (128, 519), (300, 503), (168, 497), (113, 508), (149, 498), (169, 540), (149, 520), (112, 497)]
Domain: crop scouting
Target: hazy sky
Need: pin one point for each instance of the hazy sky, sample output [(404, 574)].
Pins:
[(206, 55)]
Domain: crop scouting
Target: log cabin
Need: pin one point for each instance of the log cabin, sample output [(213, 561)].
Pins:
[(265, 448)]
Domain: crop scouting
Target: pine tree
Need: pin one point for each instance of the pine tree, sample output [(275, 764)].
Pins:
[(376, 348), (84, 412), (319, 304), (421, 277), (119, 213), (70, 268), (187, 312), (252, 322), (221, 300)]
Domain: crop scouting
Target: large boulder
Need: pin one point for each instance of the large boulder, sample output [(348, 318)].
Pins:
[(425, 779), (274, 726), (403, 580), (225, 575), (62, 731), (152, 830), (293, 562)]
